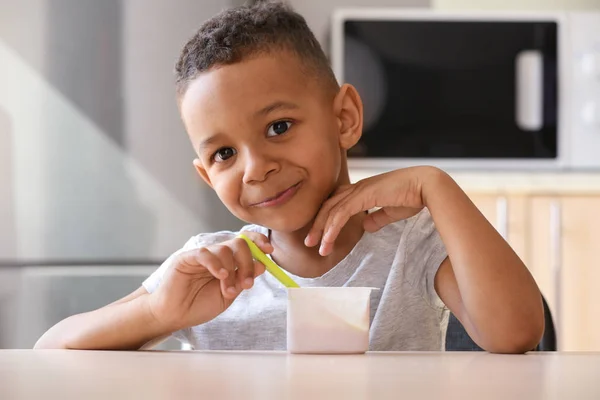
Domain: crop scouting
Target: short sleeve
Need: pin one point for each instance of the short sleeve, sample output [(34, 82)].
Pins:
[(424, 253)]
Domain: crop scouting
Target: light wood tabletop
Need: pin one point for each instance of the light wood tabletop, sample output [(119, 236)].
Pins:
[(61, 374)]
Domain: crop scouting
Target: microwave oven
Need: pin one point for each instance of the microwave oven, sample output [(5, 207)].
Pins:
[(472, 90)]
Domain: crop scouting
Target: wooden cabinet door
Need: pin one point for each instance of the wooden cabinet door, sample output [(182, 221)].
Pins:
[(508, 215), (488, 205), (564, 241)]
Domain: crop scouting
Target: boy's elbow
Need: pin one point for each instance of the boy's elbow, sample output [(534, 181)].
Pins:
[(521, 339), (47, 343), (54, 338), (50, 340), (519, 344)]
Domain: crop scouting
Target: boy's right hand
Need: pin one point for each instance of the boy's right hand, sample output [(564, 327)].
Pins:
[(201, 283)]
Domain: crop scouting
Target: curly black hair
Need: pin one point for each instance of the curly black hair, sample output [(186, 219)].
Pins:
[(241, 32)]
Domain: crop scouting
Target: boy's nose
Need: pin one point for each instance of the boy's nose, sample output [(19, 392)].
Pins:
[(258, 166)]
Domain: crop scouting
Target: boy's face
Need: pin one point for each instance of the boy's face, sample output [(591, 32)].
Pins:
[(269, 140)]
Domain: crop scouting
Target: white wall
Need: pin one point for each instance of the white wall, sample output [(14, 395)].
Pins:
[(95, 161), (154, 33), (517, 4), (318, 12)]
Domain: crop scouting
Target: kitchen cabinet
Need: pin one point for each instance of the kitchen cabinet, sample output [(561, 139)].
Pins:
[(507, 213), (558, 237), (564, 239)]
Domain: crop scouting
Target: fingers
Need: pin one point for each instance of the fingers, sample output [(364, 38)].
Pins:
[(189, 260), (248, 268), (245, 264), (259, 269), (338, 217), (387, 215), (224, 254), (332, 217), (235, 255), (260, 240), (317, 229), (230, 262), (376, 220), (216, 261)]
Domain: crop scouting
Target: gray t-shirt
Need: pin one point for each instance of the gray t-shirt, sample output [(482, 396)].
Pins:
[(401, 260)]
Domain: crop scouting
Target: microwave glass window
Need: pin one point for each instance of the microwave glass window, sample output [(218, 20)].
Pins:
[(454, 89)]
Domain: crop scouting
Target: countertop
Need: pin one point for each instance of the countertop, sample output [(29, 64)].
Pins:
[(63, 374)]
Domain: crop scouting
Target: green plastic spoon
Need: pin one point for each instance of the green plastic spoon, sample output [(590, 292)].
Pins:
[(270, 266)]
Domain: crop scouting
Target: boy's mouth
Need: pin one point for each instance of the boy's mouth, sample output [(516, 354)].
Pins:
[(279, 198)]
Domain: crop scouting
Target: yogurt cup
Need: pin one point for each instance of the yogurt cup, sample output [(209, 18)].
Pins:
[(328, 320)]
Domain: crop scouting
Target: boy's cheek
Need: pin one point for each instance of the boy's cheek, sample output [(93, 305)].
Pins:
[(229, 201)]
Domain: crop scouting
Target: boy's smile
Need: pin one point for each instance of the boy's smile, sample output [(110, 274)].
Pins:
[(268, 139), (280, 198)]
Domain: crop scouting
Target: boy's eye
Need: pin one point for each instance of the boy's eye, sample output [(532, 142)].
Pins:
[(223, 154), (279, 128)]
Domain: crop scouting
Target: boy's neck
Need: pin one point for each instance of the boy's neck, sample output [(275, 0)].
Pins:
[(292, 255)]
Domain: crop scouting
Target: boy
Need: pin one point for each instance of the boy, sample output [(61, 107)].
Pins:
[(271, 127)]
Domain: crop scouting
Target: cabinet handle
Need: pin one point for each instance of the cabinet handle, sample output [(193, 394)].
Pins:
[(502, 217), (556, 260)]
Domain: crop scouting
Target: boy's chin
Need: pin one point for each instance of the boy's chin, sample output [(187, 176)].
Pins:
[(287, 225)]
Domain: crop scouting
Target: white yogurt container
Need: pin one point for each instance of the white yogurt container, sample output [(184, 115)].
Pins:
[(328, 320)]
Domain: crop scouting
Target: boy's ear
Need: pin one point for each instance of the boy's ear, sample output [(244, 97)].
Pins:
[(201, 171), (348, 108)]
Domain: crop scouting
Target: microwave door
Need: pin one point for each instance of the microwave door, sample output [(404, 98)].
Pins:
[(454, 89)]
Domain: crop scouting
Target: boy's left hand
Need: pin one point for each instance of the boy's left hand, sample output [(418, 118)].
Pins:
[(399, 193)]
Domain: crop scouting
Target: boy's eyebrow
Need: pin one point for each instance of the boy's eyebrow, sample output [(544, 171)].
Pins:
[(286, 105), (208, 141)]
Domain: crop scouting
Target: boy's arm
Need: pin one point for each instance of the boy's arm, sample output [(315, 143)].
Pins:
[(486, 285), (126, 324), (196, 286)]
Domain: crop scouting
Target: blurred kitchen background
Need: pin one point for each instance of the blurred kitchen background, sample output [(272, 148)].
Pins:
[(97, 186)]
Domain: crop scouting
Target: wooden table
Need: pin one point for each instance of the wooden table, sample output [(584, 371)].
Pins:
[(58, 374)]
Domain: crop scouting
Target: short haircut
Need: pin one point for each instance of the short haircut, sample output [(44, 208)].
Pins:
[(246, 31)]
